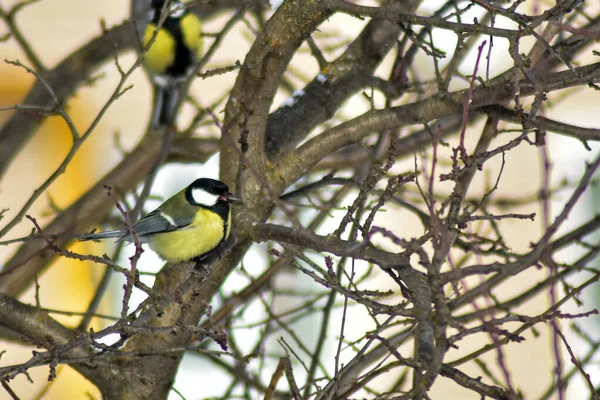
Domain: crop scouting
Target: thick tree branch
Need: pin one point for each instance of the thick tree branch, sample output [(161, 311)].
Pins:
[(247, 110), (340, 79), (419, 112)]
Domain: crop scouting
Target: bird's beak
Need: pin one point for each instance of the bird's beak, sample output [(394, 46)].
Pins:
[(230, 198)]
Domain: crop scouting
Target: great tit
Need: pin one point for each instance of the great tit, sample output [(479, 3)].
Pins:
[(172, 56), (188, 225)]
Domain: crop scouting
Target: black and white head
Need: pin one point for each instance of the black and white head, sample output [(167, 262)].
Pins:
[(176, 9), (205, 192)]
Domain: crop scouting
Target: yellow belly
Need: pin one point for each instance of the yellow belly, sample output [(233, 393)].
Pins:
[(192, 33), (203, 235), (161, 55)]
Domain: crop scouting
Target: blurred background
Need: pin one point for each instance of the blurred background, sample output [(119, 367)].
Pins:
[(55, 28)]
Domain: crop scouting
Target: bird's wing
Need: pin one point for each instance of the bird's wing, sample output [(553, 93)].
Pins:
[(119, 233), (157, 222)]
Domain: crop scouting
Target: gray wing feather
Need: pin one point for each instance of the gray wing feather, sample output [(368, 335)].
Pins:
[(155, 222), (119, 233), (152, 223)]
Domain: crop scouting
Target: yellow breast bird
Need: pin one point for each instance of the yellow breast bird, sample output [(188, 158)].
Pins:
[(172, 56), (188, 225)]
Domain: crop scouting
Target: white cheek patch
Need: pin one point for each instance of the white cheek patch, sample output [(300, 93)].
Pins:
[(177, 10), (204, 198)]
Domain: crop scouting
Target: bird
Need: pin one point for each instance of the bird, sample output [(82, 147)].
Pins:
[(172, 56), (186, 226)]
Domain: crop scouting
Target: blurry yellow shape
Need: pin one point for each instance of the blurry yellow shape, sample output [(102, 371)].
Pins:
[(67, 285)]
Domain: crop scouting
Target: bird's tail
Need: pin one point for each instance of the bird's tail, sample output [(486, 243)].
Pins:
[(119, 233), (165, 105)]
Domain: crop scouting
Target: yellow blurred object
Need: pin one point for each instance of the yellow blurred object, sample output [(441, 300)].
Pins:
[(172, 55), (162, 54), (68, 284), (178, 42)]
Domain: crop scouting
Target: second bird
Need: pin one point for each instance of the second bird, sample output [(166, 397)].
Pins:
[(172, 56)]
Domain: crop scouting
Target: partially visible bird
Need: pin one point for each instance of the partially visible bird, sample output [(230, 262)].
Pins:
[(172, 55), (188, 225)]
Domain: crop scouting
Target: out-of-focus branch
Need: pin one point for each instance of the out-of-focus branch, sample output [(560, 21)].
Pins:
[(9, 18), (207, 8), (33, 256), (42, 330), (76, 69), (77, 137), (64, 79)]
